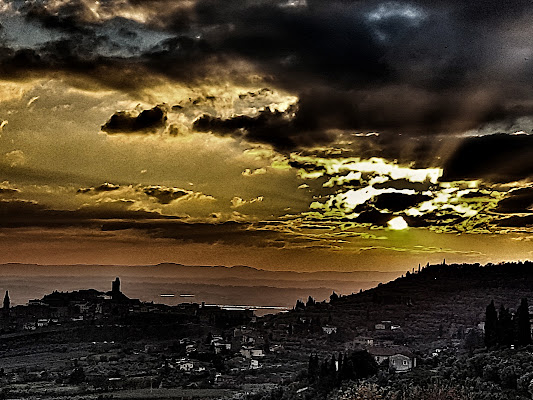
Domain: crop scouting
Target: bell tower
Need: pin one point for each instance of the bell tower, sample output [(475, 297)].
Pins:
[(7, 305)]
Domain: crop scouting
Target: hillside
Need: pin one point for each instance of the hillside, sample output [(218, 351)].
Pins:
[(440, 301)]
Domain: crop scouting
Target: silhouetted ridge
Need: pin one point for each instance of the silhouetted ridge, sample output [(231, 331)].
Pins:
[(436, 301)]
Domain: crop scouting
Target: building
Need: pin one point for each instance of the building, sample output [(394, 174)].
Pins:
[(329, 329), (399, 359), (7, 303), (402, 362), (363, 341), (185, 365)]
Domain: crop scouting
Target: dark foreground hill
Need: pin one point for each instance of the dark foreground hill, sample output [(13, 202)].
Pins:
[(439, 301), (436, 315)]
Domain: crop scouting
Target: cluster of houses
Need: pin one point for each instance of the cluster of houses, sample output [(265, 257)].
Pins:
[(243, 348), (59, 308)]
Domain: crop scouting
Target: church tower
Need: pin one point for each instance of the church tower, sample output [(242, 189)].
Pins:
[(7, 304), (115, 286), (115, 289)]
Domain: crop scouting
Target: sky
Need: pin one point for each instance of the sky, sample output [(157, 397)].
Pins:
[(285, 135)]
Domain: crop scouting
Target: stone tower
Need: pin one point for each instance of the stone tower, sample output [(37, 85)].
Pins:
[(115, 286), (7, 304)]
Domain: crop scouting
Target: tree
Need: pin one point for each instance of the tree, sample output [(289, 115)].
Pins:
[(299, 305), (491, 325), (327, 376), (313, 368), (77, 376), (333, 297), (310, 302), (473, 339), (346, 371), (523, 326), (505, 327), (364, 364)]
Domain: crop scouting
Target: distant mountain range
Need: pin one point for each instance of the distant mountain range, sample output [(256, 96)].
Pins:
[(212, 284)]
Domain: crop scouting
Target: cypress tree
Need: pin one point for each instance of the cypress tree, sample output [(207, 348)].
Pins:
[(505, 327), (523, 325), (346, 371), (491, 325), (314, 368)]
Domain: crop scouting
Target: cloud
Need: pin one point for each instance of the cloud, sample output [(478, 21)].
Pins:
[(399, 201), (282, 130), (8, 191), (147, 121), (257, 171), (104, 187), (162, 194), (32, 100), (3, 123), (237, 202), (166, 195), (496, 158), (25, 213), (15, 158), (414, 68), (516, 222), (376, 190), (517, 201)]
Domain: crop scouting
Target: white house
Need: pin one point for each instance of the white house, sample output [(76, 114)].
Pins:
[(254, 364), (257, 353), (185, 365), (329, 329), (400, 360), (363, 341), (43, 322), (29, 326), (395, 327)]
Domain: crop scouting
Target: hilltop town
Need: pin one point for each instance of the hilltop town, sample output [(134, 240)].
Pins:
[(93, 344)]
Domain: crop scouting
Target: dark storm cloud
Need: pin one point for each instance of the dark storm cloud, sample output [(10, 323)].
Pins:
[(399, 201), (283, 130), (414, 68), (65, 20), (74, 57), (374, 217), (147, 121), (22, 213), (391, 66), (516, 221), (181, 57), (29, 214), (497, 158), (518, 201)]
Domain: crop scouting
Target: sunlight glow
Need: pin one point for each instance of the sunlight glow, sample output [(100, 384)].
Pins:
[(397, 224)]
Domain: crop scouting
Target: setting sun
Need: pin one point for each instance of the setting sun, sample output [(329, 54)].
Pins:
[(397, 224)]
